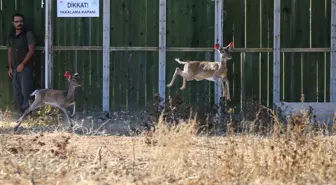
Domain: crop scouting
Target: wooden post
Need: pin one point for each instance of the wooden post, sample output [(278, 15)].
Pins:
[(162, 52), (276, 53), (48, 68), (219, 40), (333, 52), (106, 55)]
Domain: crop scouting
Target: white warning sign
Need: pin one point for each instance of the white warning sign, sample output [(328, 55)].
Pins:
[(77, 8)]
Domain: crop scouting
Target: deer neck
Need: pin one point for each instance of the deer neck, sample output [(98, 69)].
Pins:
[(71, 93), (223, 63)]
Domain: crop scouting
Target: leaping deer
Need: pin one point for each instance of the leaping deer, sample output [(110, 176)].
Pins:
[(206, 70), (55, 98)]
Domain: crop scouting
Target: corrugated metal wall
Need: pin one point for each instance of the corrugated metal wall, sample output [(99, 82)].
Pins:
[(79, 32), (133, 78), (190, 23), (306, 73)]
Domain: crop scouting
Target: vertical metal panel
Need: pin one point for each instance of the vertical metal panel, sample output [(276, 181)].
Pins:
[(89, 64), (6, 92), (243, 60), (253, 62), (190, 24), (305, 24), (292, 67), (48, 43), (276, 53), (162, 51), (307, 61), (233, 29), (333, 52), (133, 25), (2, 40), (260, 45), (219, 40), (106, 55), (242, 81)]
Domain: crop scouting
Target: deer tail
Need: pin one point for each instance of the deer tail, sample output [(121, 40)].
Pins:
[(180, 61), (34, 93)]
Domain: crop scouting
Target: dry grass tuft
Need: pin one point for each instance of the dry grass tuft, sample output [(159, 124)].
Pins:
[(292, 153)]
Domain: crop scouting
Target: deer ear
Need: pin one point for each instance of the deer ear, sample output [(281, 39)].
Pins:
[(231, 45), (67, 75), (216, 46)]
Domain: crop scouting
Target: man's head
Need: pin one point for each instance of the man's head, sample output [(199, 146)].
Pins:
[(225, 52), (17, 21)]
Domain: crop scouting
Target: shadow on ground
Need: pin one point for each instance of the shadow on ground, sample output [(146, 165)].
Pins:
[(117, 123)]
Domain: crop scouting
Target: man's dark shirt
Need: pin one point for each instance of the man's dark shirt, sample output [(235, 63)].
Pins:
[(19, 45)]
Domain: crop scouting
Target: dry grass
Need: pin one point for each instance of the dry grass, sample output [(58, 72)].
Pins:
[(170, 155)]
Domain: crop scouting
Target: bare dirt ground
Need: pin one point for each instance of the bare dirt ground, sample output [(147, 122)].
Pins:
[(116, 123)]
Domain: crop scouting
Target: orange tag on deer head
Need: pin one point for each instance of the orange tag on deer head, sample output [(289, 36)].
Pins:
[(231, 45), (67, 75)]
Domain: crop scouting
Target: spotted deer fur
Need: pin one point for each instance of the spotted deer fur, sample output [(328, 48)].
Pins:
[(56, 98), (206, 70)]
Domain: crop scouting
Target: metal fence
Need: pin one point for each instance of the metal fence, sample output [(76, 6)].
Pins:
[(143, 37)]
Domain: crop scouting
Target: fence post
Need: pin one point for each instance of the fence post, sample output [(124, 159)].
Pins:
[(219, 40), (48, 68), (106, 55), (276, 53), (162, 52), (333, 52)]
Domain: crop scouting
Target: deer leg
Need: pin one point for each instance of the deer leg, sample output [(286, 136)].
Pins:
[(66, 114), (33, 106), (223, 87), (216, 75), (186, 77), (227, 83), (176, 73), (184, 84), (74, 110)]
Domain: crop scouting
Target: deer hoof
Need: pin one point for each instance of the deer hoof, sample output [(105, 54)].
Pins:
[(169, 85), (69, 129), (15, 129), (182, 88)]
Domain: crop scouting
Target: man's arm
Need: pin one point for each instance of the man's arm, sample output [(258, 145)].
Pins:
[(10, 58), (31, 48), (9, 54)]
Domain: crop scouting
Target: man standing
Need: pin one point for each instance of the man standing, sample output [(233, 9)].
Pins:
[(21, 48)]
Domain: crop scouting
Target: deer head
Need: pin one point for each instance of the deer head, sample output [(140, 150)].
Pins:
[(74, 81), (224, 52)]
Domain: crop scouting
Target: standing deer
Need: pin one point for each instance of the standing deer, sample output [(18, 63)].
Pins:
[(55, 98), (208, 70)]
